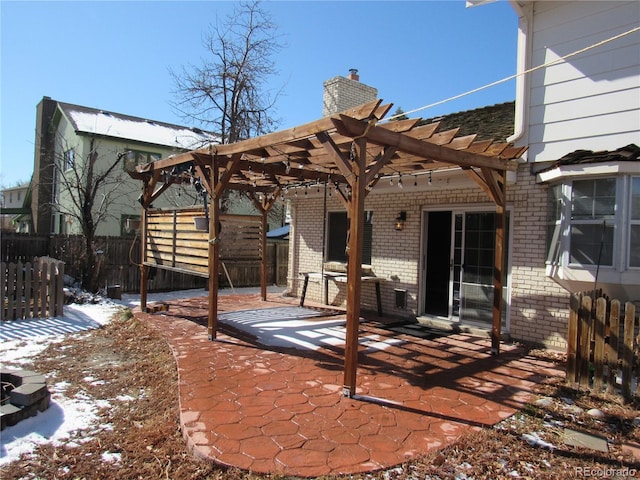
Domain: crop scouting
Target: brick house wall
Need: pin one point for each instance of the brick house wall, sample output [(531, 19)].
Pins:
[(538, 306)]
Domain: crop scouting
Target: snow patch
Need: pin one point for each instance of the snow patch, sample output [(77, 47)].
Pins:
[(67, 421)]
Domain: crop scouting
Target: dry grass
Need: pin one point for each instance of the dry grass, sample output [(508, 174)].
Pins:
[(133, 359)]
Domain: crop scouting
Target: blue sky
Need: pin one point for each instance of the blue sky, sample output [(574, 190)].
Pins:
[(116, 56)]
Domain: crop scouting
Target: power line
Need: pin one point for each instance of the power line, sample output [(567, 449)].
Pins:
[(511, 77)]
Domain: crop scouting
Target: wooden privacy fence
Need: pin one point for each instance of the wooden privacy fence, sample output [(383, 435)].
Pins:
[(602, 344), (178, 240), (32, 290), (120, 258)]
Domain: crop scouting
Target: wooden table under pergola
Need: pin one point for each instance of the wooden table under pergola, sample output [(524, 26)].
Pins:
[(352, 151)]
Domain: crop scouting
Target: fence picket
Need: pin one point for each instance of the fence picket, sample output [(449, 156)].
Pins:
[(612, 347), (11, 282), (585, 341), (43, 290), (28, 290), (36, 289), (59, 303), (572, 338), (598, 347), (19, 286), (627, 351), (3, 290)]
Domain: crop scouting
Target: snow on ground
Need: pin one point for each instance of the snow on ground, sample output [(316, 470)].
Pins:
[(288, 326), (20, 340), (23, 339)]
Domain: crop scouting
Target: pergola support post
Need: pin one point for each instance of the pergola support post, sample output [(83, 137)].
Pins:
[(498, 266), (263, 255), (144, 269), (147, 197), (354, 266), (214, 252), (264, 206)]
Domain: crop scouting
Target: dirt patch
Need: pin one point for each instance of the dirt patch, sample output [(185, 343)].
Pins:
[(141, 438)]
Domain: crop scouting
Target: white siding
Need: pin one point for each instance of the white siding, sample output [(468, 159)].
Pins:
[(591, 101), (121, 192)]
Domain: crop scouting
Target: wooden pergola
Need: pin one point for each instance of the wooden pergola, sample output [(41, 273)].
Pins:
[(352, 151)]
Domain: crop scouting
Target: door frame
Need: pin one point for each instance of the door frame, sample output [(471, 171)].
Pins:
[(422, 267)]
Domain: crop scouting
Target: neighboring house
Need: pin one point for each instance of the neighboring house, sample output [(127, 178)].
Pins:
[(66, 135), (430, 238), (16, 214)]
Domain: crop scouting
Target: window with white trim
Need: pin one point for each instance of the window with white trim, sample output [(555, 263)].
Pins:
[(634, 223), (593, 211), (69, 159), (594, 222)]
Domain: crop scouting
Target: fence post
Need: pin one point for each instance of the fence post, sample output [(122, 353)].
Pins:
[(51, 292), (11, 291), (28, 290), (627, 349), (42, 309), (59, 310), (585, 341), (3, 290), (19, 287), (572, 337), (612, 349), (35, 288)]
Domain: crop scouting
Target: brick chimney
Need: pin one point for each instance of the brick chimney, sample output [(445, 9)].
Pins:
[(343, 93)]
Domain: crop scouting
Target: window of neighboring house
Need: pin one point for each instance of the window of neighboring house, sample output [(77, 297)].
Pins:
[(69, 159), (125, 225), (634, 227), (66, 222), (19, 196), (55, 189), (593, 210), (338, 227), (133, 158)]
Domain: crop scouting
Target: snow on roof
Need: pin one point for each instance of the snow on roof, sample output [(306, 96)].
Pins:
[(99, 122)]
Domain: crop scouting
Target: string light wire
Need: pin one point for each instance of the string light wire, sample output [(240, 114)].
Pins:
[(511, 77)]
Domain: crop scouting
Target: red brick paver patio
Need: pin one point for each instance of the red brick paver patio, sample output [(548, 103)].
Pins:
[(281, 410)]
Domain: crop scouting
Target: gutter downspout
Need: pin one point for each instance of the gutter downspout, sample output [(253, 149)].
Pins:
[(525, 16)]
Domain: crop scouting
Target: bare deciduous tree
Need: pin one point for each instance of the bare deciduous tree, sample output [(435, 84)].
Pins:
[(86, 192), (227, 93)]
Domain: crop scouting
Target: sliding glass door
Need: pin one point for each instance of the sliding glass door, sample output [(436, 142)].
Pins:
[(459, 251)]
